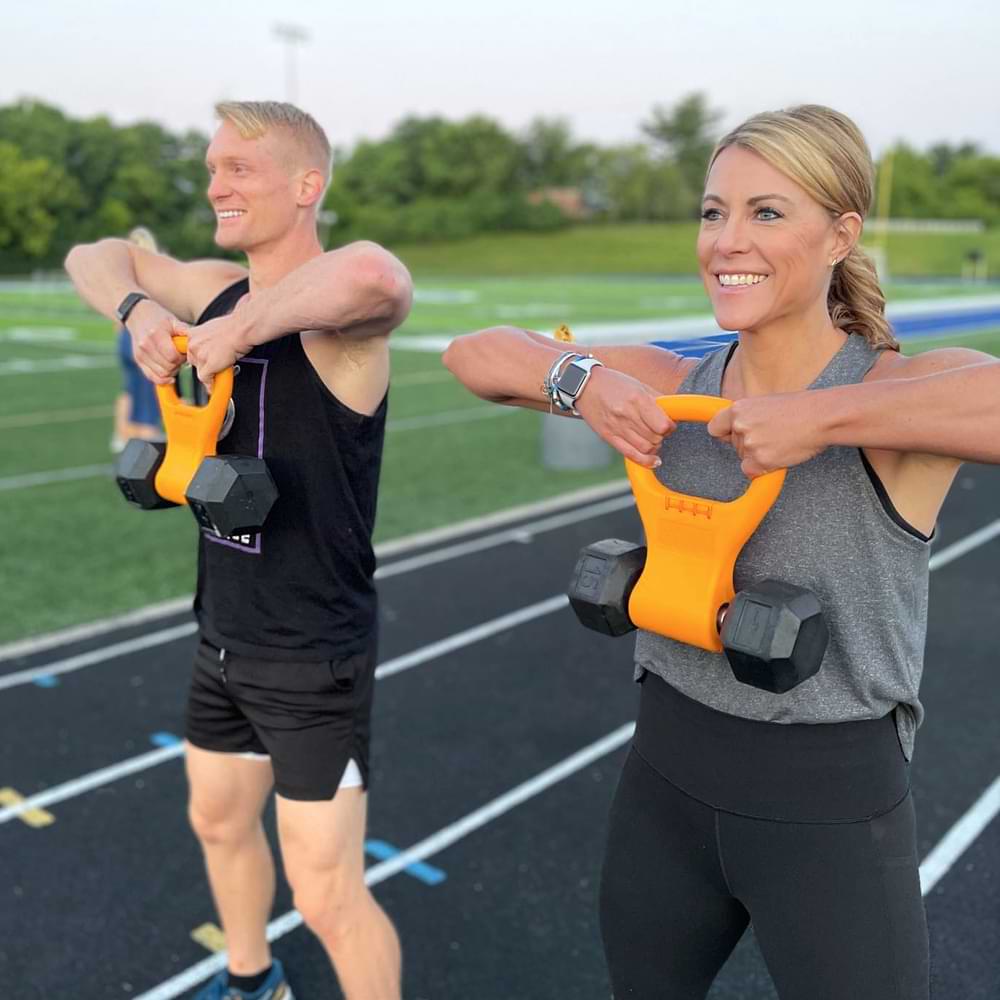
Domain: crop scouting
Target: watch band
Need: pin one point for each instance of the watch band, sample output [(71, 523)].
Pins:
[(565, 397), (128, 304)]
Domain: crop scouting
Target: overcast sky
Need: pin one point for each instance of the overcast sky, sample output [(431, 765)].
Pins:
[(920, 71)]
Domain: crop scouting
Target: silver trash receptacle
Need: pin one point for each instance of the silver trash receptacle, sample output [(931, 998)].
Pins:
[(569, 443)]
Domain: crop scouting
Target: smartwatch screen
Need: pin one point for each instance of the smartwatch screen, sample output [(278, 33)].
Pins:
[(571, 379)]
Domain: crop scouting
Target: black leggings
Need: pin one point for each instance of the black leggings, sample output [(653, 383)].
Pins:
[(835, 902)]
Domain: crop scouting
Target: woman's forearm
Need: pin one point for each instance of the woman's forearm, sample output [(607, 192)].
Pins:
[(954, 413)]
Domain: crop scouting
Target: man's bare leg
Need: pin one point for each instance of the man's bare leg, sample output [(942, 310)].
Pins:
[(228, 794), (322, 844)]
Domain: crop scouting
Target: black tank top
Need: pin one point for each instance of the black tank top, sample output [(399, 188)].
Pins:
[(302, 587)]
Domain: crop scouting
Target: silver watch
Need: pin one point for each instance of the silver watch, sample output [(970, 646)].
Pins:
[(572, 380)]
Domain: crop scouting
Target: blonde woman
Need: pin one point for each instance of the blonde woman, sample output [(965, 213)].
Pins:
[(791, 811), (137, 412)]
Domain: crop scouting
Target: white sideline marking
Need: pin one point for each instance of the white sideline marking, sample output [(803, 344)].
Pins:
[(104, 776), (420, 851), (955, 842), (384, 550)]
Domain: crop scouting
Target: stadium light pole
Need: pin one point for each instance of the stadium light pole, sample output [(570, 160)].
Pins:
[(290, 35)]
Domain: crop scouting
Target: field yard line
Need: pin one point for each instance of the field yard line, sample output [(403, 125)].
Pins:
[(398, 664), (30, 479), (426, 848), (955, 842), (443, 419), (384, 550), (22, 366), (45, 418)]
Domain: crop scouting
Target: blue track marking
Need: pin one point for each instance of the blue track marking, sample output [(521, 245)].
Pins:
[(164, 739), (427, 874), (905, 327), (46, 682)]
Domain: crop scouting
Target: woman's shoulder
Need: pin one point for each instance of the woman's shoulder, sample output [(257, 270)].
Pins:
[(895, 365)]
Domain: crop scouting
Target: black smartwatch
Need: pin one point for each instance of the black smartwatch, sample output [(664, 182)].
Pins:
[(128, 304)]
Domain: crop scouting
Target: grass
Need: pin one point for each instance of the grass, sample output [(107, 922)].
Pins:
[(656, 248), (74, 551)]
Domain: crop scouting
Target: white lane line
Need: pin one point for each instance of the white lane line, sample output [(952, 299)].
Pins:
[(955, 842), (98, 655), (31, 479), (426, 848), (967, 544), (484, 631), (104, 776), (519, 534), (164, 609), (88, 782)]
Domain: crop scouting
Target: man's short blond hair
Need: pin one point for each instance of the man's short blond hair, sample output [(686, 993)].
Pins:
[(253, 119)]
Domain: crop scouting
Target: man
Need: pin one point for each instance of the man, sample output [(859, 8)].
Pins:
[(283, 678)]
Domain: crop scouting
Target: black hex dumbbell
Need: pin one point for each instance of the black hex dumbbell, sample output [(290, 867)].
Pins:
[(774, 635), (135, 473), (603, 579), (230, 494)]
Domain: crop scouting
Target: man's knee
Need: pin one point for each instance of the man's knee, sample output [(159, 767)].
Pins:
[(215, 826), (332, 903)]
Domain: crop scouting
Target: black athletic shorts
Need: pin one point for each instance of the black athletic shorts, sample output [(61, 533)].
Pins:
[(310, 718)]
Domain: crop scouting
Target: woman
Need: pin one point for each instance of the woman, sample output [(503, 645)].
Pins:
[(736, 805), (137, 410)]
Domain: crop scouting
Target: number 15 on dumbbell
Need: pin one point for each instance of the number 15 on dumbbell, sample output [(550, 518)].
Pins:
[(680, 584)]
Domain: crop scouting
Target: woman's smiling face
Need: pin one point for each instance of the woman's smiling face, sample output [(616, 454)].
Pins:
[(765, 246)]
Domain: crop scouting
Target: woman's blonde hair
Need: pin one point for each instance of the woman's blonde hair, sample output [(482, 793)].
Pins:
[(825, 153)]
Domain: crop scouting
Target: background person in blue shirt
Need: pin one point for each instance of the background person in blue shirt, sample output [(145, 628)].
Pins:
[(137, 411)]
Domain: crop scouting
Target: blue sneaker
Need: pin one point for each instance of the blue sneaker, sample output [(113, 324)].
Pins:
[(275, 987)]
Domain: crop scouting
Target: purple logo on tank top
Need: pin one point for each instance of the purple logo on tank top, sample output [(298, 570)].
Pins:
[(247, 439)]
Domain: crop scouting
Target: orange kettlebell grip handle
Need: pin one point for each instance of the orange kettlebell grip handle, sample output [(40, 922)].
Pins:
[(693, 542), (192, 431), (762, 491)]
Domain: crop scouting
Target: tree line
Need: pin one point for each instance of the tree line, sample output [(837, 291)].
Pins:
[(65, 180)]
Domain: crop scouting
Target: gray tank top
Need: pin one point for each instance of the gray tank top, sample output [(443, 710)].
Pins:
[(829, 531)]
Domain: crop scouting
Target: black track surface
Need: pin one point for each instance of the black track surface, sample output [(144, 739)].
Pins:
[(101, 903)]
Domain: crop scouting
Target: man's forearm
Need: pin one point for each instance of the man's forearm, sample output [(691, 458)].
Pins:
[(102, 273), (953, 413), (361, 289)]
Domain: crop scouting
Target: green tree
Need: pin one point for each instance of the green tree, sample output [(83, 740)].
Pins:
[(32, 192), (685, 134)]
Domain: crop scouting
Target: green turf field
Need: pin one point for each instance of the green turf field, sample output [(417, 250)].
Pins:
[(73, 551)]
